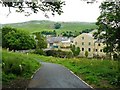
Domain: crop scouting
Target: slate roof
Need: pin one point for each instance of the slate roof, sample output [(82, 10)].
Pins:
[(57, 39)]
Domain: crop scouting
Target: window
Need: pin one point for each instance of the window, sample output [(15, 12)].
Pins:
[(99, 44), (89, 43), (82, 43), (51, 44), (82, 49), (55, 46), (100, 50), (96, 50), (82, 38), (89, 49)]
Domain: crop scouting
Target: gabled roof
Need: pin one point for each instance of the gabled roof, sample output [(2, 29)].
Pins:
[(87, 34), (92, 32)]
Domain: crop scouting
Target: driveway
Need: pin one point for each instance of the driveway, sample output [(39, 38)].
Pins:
[(55, 76)]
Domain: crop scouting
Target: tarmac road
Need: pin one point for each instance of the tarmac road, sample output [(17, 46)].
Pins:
[(55, 76)]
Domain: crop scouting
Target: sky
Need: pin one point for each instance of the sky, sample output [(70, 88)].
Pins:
[(74, 11)]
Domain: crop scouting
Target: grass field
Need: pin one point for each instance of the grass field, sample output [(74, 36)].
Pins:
[(37, 26)]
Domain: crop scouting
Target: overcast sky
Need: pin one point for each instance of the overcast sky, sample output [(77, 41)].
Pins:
[(74, 10)]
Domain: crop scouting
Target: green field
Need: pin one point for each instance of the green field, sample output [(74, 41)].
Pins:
[(35, 26)]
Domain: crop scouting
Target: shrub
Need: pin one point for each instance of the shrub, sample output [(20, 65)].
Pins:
[(86, 53), (17, 64), (75, 50), (98, 57), (11, 65), (39, 51), (59, 53), (115, 56), (8, 77)]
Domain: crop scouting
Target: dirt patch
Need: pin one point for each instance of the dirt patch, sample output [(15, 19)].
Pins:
[(21, 83), (105, 84)]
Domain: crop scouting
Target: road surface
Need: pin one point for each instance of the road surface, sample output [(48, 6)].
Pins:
[(55, 76)]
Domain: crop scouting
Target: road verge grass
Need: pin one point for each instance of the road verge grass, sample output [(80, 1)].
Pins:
[(17, 69), (97, 73)]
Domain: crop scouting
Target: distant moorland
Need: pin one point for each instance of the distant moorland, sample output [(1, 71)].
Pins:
[(38, 26)]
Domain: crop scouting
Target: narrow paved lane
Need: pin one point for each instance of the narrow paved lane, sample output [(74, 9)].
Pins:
[(55, 76)]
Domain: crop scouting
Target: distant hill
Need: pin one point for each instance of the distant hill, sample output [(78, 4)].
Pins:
[(34, 26)]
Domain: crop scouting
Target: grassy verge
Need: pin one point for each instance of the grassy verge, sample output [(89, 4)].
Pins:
[(17, 69), (97, 73)]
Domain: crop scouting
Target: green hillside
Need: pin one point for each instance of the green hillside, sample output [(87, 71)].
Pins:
[(34, 26)]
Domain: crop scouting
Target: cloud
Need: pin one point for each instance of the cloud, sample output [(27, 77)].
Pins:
[(74, 10)]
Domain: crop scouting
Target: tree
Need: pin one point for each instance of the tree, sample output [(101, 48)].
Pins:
[(109, 22), (57, 25), (40, 41), (0, 38), (53, 6), (6, 30), (75, 50), (17, 39), (55, 33), (86, 53)]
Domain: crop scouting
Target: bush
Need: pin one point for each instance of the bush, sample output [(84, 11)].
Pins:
[(86, 53), (39, 51), (11, 65), (75, 50), (8, 77), (17, 64), (97, 56), (59, 53), (115, 56)]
